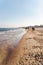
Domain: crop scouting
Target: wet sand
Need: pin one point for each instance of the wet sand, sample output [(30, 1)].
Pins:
[(9, 41), (29, 50)]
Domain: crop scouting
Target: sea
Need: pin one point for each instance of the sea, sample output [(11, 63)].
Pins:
[(11, 35), (6, 29)]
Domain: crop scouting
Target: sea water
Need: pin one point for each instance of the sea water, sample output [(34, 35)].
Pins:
[(11, 35)]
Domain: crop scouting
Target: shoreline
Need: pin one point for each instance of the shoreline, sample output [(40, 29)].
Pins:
[(7, 50), (29, 50)]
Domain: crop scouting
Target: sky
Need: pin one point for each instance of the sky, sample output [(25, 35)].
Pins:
[(15, 13)]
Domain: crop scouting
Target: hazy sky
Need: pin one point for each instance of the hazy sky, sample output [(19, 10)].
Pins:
[(21, 12)]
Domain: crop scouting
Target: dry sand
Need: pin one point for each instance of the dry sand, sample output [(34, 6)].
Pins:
[(28, 52)]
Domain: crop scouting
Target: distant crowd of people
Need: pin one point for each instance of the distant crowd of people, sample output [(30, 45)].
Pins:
[(29, 28)]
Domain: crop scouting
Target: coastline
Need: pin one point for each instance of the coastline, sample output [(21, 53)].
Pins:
[(6, 46), (29, 50)]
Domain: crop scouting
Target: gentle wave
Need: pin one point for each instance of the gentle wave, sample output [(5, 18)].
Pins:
[(12, 36)]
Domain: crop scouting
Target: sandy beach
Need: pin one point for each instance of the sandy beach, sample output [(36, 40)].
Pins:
[(28, 52)]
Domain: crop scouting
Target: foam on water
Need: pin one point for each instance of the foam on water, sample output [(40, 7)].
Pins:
[(12, 36)]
